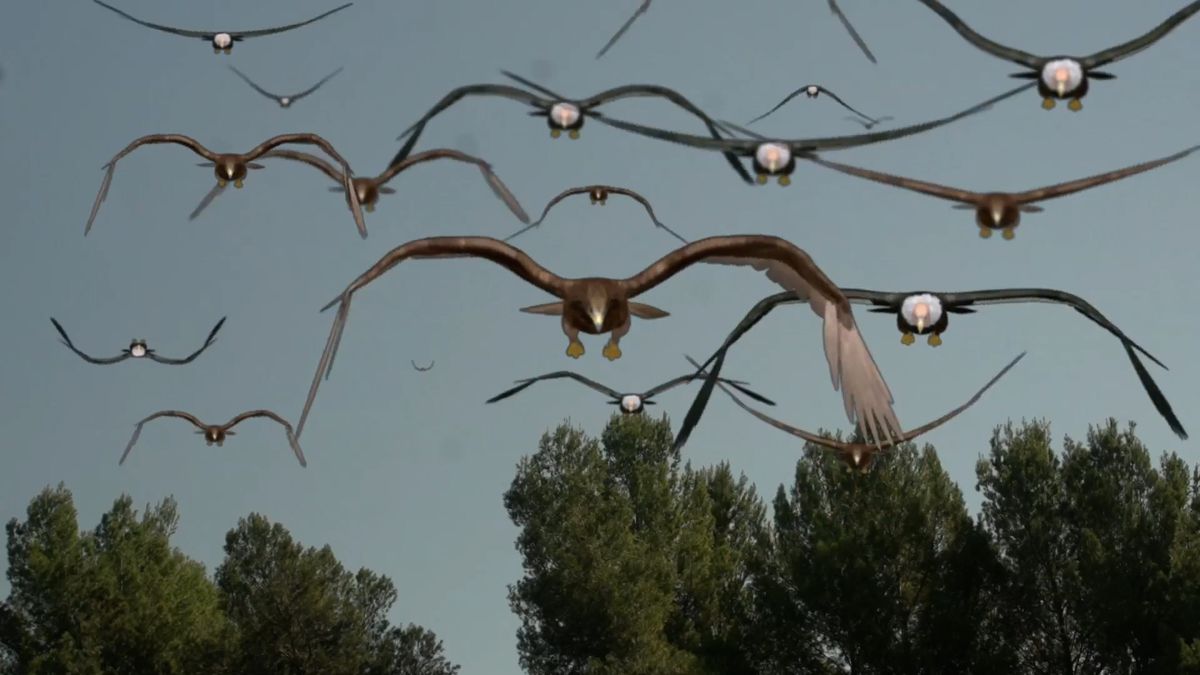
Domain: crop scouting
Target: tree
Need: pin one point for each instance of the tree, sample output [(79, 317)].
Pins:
[(633, 564), (1101, 551), (298, 610), (118, 599), (877, 573)]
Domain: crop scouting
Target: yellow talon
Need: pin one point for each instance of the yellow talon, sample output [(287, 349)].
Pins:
[(573, 134), (370, 208), (238, 183), (227, 50), (555, 133), (611, 351), (221, 183), (985, 232), (907, 339), (1008, 233), (762, 179), (1075, 105), (934, 340), (1048, 103), (575, 349), (216, 51), (785, 181)]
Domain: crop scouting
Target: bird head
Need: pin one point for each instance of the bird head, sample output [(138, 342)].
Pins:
[(921, 310)]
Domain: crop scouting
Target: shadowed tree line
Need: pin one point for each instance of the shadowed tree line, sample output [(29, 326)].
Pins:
[(1084, 562), (119, 600)]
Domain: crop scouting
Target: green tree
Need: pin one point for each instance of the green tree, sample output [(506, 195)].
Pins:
[(298, 610), (877, 573), (1100, 550), (633, 564), (118, 599)]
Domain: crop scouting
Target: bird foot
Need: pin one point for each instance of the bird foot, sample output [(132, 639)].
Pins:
[(573, 134), (575, 349), (1048, 103), (985, 232), (784, 180), (238, 183), (611, 351), (1008, 233), (761, 179), (555, 133), (216, 50), (222, 183), (227, 50), (1075, 105), (907, 339), (935, 340), (370, 208)]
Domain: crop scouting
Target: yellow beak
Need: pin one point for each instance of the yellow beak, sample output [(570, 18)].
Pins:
[(920, 324)]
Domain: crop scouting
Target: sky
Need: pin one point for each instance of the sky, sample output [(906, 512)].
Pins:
[(407, 469)]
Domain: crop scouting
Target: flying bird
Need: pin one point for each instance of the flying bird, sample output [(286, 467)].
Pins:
[(217, 433), (600, 305), (138, 349), (1063, 77), (285, 101), (232, 167), (561, 113), (222, 41), (862, 44), (928, 313), (624, 27), (813, 91), (773, 157), (868, 125), (630, 404), (367, 190), (1002, 210), (861, 455), (598, 194), (421, 369)]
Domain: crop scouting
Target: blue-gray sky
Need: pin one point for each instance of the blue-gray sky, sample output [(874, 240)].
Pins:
[(406, 469)]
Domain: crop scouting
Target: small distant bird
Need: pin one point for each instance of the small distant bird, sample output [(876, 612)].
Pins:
[(630, 404), (1002, 210), (222, 41), (561, 113), (419, 368), (868, 125), (598, 194), (137, 349), (285, 101), (232, 167), (813, 91), (862, 455), (1063, 77), (217, 433)]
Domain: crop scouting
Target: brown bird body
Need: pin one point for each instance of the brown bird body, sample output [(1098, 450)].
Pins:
[(1001, 210), (599, 305), (368, 189), (215, 434), (862, 455), (231, 167)]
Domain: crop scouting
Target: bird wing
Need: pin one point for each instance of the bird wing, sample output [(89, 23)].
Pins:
[(1137, 44), (307, 158), (169, 29), (137, 430), (90, 359), (646, 205), (291, 26), (346, 177), (587, 382), (1010, 295), (287, 427), (558, 198), (862, 44), (254, 86), (902, 438), (178, 139), (212, 337), (932, 189), (672, 383), (994, 48), (868, 401), (861, 296), (213, 192), (624, 27), (419, 368), (299, 95), (1070, 187)]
